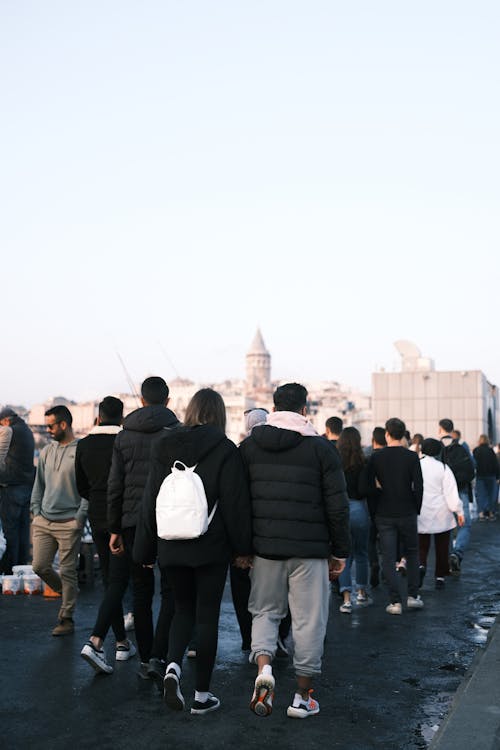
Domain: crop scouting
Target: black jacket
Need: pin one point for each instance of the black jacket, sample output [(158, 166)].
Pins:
[(220, 467), (486, 461), (298, 491), (19, 468), (397, 471), (131, 462), (92, 465)]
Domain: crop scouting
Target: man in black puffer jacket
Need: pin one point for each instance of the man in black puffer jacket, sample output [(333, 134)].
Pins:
[(300, 517), (127, 478)]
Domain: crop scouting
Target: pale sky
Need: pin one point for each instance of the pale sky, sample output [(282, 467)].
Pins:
[(176, 173)]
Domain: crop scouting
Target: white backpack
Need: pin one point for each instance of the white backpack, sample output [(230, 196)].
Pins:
[(181, 505)]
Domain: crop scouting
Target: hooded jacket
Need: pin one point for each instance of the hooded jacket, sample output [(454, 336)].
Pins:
[(131, 462), (221, 470), (55, 495), (299, 500)]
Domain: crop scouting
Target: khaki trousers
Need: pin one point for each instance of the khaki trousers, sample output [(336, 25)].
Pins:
[(48, 537)]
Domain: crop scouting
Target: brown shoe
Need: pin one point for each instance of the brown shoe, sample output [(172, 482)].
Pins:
[(66, 627)]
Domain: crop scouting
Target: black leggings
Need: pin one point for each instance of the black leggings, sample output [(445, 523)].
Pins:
[(198, 594)]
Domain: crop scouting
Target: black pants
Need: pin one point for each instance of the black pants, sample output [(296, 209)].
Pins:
[(240, 592), (404, 530), (197, 594), (101, 541), (122, 569)]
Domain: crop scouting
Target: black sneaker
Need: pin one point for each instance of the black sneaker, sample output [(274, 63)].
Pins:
[(440, 583), (172, 691), (211, 704), (455, 564), (156, 672)]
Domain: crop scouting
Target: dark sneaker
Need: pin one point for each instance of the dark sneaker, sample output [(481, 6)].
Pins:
[(156, 672), (455, 564), (96, 658), (172, 691), (211, 704), (143, 670), (66, 626), (301, 708), (440, 583), (125, 651), (263, 695)]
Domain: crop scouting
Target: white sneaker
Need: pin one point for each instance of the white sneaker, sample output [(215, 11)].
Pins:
[(125, 651), (414, 602), (96, 658), (394, 609), (263, 695), (128, 621), (301, 709), (346, 608)]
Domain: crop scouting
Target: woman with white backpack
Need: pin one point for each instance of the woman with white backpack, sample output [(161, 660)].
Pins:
[(195, 564)]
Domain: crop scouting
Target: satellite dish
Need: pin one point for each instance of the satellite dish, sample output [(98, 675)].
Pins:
[(407, 349)]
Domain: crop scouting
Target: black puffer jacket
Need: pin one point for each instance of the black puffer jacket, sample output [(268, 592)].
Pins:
[(299, 499), (220, 467), (131, 462), (19, 467)]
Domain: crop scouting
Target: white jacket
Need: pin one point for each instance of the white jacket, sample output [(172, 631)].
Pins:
[(441, 499)]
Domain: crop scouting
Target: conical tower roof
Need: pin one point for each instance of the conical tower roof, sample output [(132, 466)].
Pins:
[(257, 346)]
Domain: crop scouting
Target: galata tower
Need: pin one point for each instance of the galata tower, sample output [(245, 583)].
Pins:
[(258, 380)]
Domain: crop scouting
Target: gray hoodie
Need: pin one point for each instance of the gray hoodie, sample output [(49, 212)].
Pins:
[(55, 495)]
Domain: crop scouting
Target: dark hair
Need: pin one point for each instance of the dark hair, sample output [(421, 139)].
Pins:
[(206, 407), (111, 410), (417, 439), (154, 390), (290, 397), (396, 428), (61, 413), (378, 436), (349, 447), (446, 424), (334, 424), (458, 434), (432, 447)]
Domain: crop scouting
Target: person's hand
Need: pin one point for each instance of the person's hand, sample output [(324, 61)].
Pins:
[(243, 561), (116, 544), (335, 568), (461, 519)]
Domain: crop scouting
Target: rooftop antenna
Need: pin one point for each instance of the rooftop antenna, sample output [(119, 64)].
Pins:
[(129, 380)]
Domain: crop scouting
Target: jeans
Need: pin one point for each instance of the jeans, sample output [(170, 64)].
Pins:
[(486, 494), (390, 531), (15, 518), (359, 523), (107, 560), (463, 533)]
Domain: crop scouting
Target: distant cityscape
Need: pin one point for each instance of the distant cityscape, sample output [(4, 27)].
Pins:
[(418, 394)]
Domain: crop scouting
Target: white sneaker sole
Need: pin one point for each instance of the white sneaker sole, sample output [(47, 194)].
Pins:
[(88, 654), (301, 713), (263, 695)]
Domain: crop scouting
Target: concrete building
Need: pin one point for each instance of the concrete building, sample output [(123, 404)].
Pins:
[(421, 396)]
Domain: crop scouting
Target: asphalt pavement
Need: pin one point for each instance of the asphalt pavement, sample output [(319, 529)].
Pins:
[(426, 679)]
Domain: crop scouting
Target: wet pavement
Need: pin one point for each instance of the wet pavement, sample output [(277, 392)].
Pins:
[(388, 682)]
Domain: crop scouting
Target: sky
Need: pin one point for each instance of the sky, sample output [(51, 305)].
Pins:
[(176, 173)]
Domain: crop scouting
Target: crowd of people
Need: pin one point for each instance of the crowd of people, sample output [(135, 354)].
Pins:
[(291, 513)]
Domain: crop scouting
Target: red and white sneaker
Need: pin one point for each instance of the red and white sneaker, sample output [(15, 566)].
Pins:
[(263, 695), (301, 708)]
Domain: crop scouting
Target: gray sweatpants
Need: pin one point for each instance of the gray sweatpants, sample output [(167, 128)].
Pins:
[(302, 585)]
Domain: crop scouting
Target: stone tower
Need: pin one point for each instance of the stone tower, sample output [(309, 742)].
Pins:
[(258, 380)]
